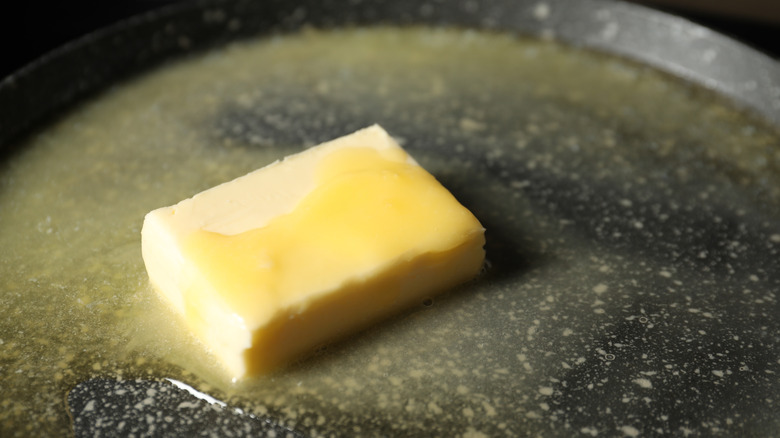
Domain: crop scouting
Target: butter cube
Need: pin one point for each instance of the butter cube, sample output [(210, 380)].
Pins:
[(269, 266)]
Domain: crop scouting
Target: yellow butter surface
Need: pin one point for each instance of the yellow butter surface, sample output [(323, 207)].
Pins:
[(361, 232)]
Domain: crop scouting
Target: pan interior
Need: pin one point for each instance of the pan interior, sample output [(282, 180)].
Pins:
[(631, 222)]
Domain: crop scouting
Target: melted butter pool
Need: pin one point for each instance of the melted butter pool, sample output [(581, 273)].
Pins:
[(632, 234)]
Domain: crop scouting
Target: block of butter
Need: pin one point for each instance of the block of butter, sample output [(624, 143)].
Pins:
[(269, 266)]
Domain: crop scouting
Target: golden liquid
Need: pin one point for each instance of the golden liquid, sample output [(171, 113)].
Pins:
[(74, 294)]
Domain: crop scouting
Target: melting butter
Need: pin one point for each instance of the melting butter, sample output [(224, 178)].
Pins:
[(375, 233)]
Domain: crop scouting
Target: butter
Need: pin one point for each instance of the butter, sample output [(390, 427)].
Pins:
[(268, 266)]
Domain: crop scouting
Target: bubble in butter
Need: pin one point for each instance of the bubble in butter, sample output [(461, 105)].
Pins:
[(268, 266)]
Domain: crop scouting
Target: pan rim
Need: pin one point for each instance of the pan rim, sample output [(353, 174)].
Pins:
[(746, 77)]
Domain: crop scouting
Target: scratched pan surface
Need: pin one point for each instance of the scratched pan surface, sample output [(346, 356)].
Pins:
[(631, 215)]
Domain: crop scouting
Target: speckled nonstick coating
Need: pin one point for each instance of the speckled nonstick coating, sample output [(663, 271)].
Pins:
[(633, 247)]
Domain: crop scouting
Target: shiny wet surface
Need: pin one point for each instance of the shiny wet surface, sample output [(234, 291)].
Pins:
[(632, 228)]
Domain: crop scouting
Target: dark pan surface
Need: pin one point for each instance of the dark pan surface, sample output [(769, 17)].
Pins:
[(632, 219)]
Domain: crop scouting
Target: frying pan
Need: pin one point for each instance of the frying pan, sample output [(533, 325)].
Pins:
[(633, 242)]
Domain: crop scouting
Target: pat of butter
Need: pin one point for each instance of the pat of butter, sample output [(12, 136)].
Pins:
[(272, 264)]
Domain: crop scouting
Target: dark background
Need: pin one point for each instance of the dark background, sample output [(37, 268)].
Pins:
[(36, 27)]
